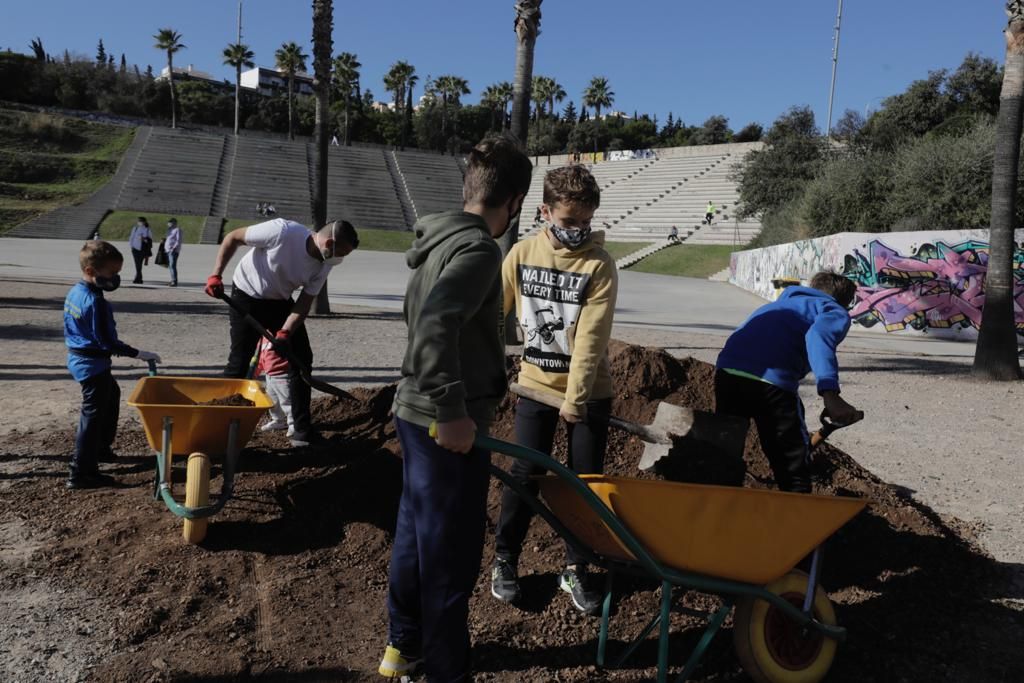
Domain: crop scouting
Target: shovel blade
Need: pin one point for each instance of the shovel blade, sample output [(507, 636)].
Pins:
[(653, 453)]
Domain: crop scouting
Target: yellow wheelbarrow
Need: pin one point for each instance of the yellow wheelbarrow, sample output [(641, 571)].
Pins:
[(740, 544), (175, 425)]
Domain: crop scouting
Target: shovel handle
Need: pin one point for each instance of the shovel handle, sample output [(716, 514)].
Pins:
[(828, 426), (552, 401), (303, 370)]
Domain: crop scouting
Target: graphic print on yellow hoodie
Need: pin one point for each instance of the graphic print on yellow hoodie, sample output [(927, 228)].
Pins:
[(565, 302)]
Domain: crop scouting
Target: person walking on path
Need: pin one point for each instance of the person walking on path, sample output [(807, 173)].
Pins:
[(90, 336), (567, 322), (453, 375), (172, 245), (141, 241), (285, 256)]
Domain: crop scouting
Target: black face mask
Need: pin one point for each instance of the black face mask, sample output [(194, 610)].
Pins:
[(108, 284), (511, 218)]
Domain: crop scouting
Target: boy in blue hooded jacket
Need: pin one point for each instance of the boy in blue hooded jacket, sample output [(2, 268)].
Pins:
[(763, 361)]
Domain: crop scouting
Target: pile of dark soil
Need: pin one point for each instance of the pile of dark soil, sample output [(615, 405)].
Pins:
[(290, 583), (232, 400)]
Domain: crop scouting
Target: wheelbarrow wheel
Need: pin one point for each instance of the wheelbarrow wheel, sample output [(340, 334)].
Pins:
[(197, 494), (774, 649)]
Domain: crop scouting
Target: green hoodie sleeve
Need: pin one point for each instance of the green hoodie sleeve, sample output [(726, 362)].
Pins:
[(462, 287)]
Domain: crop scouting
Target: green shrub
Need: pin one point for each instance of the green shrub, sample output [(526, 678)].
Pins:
[(849, 195), (34, 168)]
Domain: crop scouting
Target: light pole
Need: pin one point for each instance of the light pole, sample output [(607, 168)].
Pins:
[(835, 62)]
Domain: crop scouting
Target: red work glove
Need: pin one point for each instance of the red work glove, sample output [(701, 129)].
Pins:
[(214, 286), (275, 360)]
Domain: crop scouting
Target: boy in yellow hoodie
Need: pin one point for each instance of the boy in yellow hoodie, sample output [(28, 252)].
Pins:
[(563, 285)]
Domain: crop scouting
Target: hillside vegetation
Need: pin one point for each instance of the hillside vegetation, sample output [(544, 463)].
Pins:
[(48, 161)]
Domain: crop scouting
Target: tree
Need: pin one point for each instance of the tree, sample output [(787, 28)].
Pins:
[(556, 93), (400, 80), (101, 54), (598, 95), (714, 131), (290, 59), (37, 49), (569, 113), (451, 88), (323, 45), (169, 41), (848, 126), (346, 83), (124, 64), (995, 356), (238, 55), (974, 87), (751, 132), (527, 28), (539, 95), (491, 98), (506, 91)]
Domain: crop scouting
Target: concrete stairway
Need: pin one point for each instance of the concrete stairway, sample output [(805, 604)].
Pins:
[(175, 173), (433, 181), (637, 256), (219, 202), (267, 170), (362, 189), (80, 221), (401, 189)]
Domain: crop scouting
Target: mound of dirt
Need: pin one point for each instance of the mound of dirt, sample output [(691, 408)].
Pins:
[(232, 400), (291, 582)]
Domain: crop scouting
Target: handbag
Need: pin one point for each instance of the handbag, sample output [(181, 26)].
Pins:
[(161, 256)]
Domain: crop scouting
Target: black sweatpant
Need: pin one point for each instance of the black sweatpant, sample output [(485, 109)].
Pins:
[(779, 416), (97, 422), (535, 428), (271, 313)]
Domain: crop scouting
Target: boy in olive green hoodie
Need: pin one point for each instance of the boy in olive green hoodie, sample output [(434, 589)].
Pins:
[(453, 374), (562, 285)]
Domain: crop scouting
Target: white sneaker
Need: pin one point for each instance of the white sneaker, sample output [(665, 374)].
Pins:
[(274, 426)]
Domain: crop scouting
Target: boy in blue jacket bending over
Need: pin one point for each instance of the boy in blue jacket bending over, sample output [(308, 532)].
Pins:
[(91, 338), (763, 361)]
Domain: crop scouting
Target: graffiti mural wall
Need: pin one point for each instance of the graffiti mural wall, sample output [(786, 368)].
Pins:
[(918, 282)]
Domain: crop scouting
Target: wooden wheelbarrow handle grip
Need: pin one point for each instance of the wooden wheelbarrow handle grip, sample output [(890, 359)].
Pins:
[(554, 402)]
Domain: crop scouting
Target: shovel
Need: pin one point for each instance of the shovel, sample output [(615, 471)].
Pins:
[(292, 358), (673, 430), (828, 426)]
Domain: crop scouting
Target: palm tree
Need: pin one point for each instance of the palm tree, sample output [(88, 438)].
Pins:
[(556, 93), (527, 27), (539, 96), (491, 98), (238, 55), (506, 92), (995, 356), (451, 89), (169, 41), (598, 95), (346, 81), (323, 45), (290, 59)]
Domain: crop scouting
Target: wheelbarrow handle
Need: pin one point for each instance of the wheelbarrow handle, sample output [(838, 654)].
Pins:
[(552, 401), (152, 367), (292, 358)]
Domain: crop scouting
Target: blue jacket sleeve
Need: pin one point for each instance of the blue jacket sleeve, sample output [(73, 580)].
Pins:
[(828, 331), (105, 330)]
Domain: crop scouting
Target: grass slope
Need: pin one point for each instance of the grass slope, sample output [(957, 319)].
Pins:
[(48, 161), (695, 260), (117, 225)]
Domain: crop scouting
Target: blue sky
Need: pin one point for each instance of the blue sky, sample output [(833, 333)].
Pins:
[(747, 60)]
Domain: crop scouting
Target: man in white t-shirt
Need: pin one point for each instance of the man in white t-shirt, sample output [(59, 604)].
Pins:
[(285, 256)]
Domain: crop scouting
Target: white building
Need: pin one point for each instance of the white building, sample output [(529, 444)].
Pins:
[(190, 73), (269, 82)]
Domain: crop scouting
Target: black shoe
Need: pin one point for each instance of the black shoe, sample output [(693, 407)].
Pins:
[(505, 581), (90, 481), (575, 582)]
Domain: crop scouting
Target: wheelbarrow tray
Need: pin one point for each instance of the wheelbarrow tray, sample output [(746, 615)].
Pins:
[(749, 535), (197, 428)]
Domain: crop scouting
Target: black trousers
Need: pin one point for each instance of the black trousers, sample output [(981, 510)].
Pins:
[(138, 256), (244, 338), (535, 428), (97, 422), (779, 416)]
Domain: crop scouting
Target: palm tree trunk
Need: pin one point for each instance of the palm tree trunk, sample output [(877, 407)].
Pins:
[(995, 356), (170, 81), (323, 23), (521, 88), (291, 133), (238, 93), (348, 140)]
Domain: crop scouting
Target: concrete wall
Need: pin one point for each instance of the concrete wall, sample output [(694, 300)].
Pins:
[(907, 282)]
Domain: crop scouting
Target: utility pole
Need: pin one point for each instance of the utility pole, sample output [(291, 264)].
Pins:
[(239, 22), (835, 62)]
